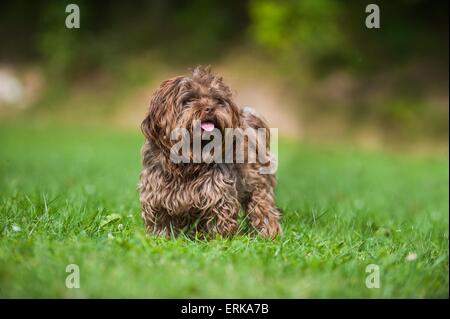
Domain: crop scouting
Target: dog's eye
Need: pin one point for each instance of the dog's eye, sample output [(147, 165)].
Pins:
[(220, 101), (188, 100)]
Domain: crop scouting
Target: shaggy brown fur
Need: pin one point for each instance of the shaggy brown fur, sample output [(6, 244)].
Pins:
[(199, 196)]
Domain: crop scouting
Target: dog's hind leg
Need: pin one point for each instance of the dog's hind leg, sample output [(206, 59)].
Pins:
[(263, 214)]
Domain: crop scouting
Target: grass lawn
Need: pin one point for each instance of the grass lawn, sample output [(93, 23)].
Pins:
[(69, 196)]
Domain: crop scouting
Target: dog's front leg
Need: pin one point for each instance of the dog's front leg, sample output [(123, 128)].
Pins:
[(159, 222), (222, 219)]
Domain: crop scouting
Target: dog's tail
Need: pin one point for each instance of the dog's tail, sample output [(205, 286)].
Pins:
[(267, 161), (251, 119)]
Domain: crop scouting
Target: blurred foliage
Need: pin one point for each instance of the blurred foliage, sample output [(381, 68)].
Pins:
[(333, 31), (306, 27), (307, 40), (321, 31), (113, 30)]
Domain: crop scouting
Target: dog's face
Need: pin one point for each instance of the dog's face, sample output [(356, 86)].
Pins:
[(181, 101)]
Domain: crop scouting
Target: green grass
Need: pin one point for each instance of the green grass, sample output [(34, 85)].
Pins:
[(343, 210)]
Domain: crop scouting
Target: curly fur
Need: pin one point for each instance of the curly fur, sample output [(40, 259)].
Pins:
[(202, 197)]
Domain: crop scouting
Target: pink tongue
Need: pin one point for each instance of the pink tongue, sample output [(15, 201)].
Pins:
[(208, 126)]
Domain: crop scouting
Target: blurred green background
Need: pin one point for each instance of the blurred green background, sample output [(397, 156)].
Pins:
[(311, 67), (363, 154)]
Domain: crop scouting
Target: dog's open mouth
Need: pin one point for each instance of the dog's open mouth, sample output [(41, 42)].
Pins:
[(208, 126)]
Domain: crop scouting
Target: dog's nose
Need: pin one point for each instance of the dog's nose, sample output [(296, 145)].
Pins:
[(208, 109)]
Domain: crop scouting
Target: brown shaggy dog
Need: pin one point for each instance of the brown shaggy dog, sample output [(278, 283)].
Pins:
[(204, 197)]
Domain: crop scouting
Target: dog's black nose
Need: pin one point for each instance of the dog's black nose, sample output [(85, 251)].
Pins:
[(208, 109)]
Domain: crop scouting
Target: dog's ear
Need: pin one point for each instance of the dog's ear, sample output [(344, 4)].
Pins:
[(162, 112)]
